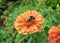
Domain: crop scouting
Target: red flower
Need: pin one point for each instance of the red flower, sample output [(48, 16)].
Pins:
[(54, 35), (29, 22)]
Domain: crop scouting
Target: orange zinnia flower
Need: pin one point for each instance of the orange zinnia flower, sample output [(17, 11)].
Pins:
[(29, 22), (54, 35)]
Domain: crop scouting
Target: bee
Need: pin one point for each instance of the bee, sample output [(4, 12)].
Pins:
[(30, 18)]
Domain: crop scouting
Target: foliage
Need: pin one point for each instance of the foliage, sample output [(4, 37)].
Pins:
[(10, 10)]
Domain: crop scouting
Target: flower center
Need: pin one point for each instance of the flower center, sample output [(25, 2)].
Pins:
[(58, 28), (29, 21), (30, 18)]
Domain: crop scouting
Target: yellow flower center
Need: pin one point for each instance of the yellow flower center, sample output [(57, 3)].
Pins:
[(58, 28)]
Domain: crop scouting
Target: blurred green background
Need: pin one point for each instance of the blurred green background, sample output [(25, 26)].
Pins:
[(10, 9)]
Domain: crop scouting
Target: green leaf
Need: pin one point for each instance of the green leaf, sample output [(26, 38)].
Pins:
[(29, 39), (20, 39)]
